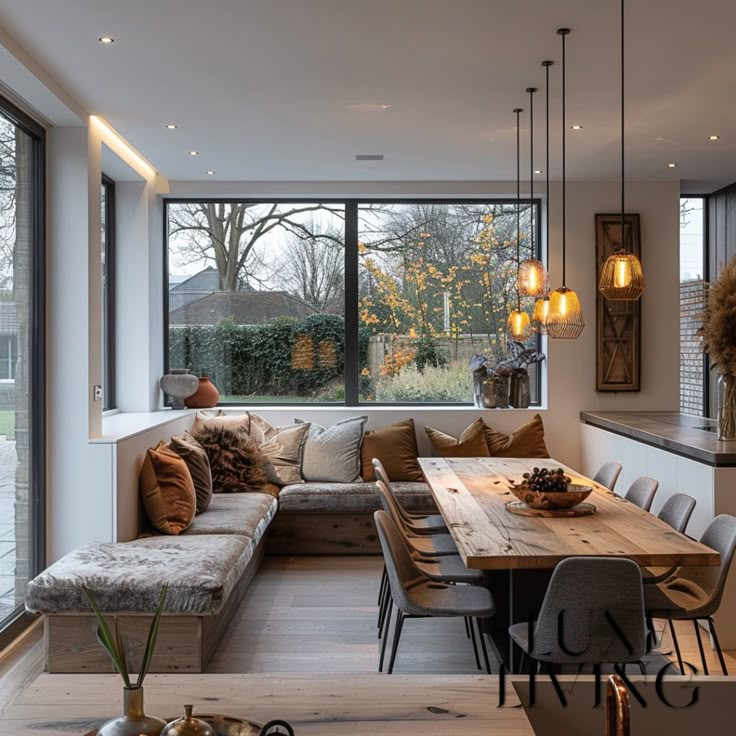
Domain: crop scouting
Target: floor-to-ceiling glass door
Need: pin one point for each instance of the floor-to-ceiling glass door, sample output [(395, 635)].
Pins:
[(22, 527)]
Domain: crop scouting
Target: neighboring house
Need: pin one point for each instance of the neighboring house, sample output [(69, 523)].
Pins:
[(8, 341), (195, 287), (243, 307)]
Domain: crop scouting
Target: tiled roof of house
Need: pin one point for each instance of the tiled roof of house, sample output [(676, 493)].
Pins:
[(243, 307)]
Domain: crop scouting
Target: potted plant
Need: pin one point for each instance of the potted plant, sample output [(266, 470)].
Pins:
[(718, 339), (134, 721), (490, 383), (518, 361)]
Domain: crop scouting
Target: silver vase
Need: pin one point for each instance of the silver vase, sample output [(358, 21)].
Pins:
[(179, 384), (134, 721), (519, 390)]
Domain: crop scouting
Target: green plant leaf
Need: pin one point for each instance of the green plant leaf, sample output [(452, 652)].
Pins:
[(104, 637), (120, 645), (152, 637)]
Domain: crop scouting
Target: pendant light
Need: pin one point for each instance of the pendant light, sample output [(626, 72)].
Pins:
[(518, 326), (532, 273), (565, 320), (622, 277), (541, 306)]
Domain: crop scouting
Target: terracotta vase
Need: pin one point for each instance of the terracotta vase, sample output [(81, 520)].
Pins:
[(134, 721), (205, 397)]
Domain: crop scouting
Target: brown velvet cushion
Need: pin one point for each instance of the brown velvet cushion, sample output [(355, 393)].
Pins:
[(396, 447), (167, 490), (195, 456), (283, 447), (218, 418), (237, 465), (526, 441), (471, 443)]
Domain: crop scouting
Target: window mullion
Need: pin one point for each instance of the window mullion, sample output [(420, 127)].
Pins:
[(351, 368)]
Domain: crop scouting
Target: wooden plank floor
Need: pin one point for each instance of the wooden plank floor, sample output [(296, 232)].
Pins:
[(318, 614)]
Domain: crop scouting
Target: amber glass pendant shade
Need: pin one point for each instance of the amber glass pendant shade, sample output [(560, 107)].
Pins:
[(532, 278), (622, 277), (518, 326), (565, 319), (541, 315)]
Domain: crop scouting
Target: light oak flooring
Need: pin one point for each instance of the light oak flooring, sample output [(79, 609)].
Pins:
[(318, 614)]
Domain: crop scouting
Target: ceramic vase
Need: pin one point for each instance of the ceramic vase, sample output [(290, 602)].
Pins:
[(727, 408), (179, 384), (134, 721), (205, 397)]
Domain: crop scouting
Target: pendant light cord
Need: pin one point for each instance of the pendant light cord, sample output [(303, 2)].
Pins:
[(518, 209), (564, 132), (623, 157), (547, 65), (531, 91)]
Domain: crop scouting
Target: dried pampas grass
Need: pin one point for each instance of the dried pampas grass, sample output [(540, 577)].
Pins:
[(718, 331)]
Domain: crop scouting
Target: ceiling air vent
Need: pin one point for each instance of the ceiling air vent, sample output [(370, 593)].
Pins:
[(369, 157)]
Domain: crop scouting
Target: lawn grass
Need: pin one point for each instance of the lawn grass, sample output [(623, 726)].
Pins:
[(7, 423)]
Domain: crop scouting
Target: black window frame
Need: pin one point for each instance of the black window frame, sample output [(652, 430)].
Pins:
[(109, 307), (13, 625), (351, 369)]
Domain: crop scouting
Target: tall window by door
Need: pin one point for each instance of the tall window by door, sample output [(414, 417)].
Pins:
[(107, 198), (692, 301), (21, 360), (351, 302)]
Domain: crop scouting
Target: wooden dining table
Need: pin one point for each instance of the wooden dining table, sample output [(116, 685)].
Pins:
[(519, 553)]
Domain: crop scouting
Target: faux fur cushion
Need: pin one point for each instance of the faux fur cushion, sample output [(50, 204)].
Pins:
[(236, 463), (282, 446), (195, 456)]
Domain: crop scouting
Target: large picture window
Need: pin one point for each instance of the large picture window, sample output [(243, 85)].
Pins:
[(21, 362), (342, 301)]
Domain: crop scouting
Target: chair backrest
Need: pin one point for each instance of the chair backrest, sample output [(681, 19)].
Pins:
[(600, 602), (641, 492), (677, 510), (390, 506), (607, 475), (382, 475), (402, 571)]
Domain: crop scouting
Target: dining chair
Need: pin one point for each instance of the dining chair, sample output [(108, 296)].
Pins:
[(420, 523), (607, 475), (592, 613), (641, 492), (694, 593), (416, 595)]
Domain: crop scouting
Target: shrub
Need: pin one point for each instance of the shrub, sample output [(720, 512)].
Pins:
[(452, 383)]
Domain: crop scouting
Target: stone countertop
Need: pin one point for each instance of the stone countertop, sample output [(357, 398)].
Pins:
[(690, 436)]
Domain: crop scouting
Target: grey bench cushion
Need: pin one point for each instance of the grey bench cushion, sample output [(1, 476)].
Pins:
[(201, 573), (246, 514), (352, 497)]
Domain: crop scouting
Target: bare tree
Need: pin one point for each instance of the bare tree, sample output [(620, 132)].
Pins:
[(8, 195)]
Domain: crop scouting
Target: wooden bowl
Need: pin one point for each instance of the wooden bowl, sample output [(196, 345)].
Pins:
[(549, 500)]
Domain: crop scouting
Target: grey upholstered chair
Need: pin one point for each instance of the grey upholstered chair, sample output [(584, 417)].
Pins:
[(693, 593), (419, 523), (600, 602), (416, 595), (641, 492), (607, 475)]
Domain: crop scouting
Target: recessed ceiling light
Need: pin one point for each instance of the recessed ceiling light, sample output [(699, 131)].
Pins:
[(538, 171), (171, 126), (106, 40), (369, 157), (194, 153), (576, 127), (369, 107), (671, 166), (713, 137), (210, 173)]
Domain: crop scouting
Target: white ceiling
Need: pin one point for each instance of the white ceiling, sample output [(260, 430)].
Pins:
[(262, 88)]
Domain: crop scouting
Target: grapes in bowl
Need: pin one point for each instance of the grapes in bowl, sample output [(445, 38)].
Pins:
[(549, 488)]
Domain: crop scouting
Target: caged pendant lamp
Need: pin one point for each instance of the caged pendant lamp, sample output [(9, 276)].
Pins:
[(565, 320), (541, 306), (622, 277), (518, 325), (532, 280)]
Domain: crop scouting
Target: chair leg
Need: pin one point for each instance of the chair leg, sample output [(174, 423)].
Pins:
[(483, 645), (397, 636), (653, 638), (385, 603), (385, 633), (677, 646), (467, 627), (700, 646), (384, 580), (712, 627), (475, 643)]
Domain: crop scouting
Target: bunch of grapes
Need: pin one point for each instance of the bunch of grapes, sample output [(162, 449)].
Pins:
[(545, 479)]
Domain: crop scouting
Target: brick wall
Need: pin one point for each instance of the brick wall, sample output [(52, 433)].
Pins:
[(692, 379)]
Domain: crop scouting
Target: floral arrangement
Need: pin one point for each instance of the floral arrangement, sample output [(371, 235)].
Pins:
[(520, 357)]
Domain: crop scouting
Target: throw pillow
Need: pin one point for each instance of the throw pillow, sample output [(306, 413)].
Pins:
[(195, 456), (236, 463), (283, 447), (526, 441), (471, 443), (333, 455), (396, 447), (217, 417), (167, 490)]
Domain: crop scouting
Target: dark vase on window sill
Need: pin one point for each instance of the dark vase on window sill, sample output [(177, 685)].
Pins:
[(519, 392)]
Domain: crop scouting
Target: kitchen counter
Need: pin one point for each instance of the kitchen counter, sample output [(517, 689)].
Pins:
[(686, 435)]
